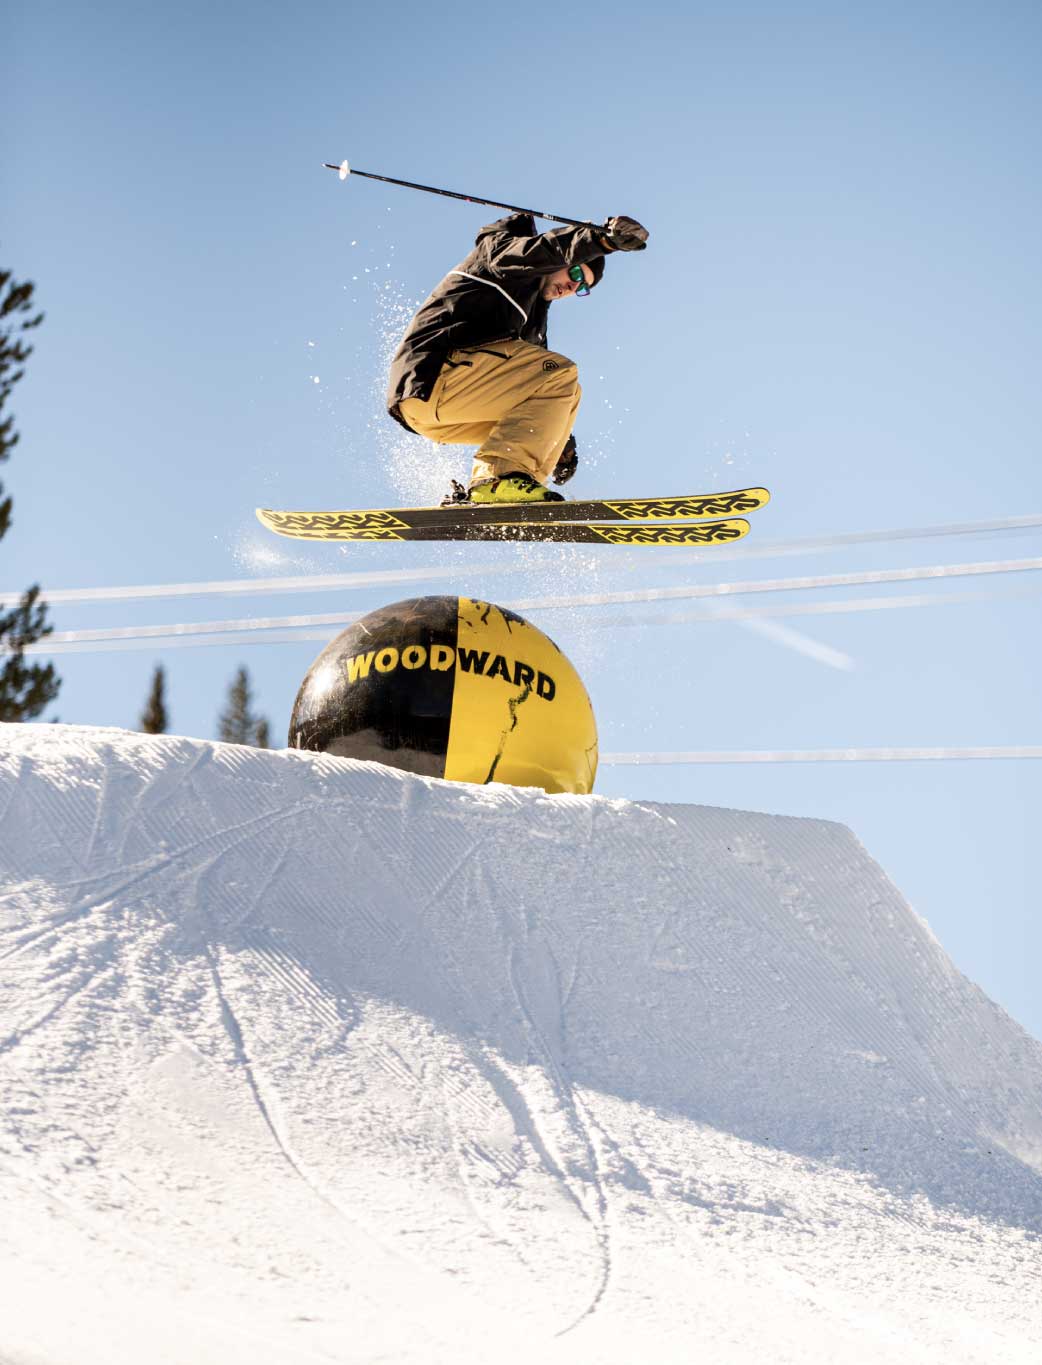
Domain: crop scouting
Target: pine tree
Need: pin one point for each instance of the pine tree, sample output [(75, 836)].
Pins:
[(154, 717), (237, 723), (25, 689)]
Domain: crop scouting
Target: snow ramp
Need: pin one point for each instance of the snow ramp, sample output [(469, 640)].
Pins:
[(304, 1059)]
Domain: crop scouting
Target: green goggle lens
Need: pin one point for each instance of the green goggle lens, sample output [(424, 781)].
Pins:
[(575, 272)]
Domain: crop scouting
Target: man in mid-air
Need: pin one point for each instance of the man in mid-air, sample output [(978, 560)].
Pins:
[(474, 368)]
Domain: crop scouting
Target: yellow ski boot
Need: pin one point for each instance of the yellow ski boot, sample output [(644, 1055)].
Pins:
[(519, 487)]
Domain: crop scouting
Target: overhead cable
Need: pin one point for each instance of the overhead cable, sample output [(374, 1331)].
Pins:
[(373, 578), (822, 755), (60, 641)]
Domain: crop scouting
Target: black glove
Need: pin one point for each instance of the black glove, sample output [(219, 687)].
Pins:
[(568, 463), (624, 234)]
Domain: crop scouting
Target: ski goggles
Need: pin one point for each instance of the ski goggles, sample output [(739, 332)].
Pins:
[(575, 272)]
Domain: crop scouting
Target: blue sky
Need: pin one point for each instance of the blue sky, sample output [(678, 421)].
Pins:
[(841, 300)]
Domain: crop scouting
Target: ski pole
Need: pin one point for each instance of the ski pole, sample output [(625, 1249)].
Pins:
[(345, 170)]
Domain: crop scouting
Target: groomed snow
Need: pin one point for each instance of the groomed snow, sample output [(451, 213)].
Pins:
[(306, 1060)]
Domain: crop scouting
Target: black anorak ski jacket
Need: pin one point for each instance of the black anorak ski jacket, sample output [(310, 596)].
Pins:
[(494, 294)]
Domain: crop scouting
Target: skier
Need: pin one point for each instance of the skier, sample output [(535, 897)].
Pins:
[(474, 368)]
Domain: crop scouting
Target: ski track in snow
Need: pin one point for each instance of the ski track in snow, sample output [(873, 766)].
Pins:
[(540, 963), (308, 1060)]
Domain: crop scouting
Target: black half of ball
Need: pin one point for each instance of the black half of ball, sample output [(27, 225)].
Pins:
[(376, 691)]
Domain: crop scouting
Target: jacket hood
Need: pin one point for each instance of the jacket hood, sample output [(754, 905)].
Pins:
[(523, 225), (515, 225)]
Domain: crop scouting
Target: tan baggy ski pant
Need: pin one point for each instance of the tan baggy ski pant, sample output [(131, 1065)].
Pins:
[(512, 399)]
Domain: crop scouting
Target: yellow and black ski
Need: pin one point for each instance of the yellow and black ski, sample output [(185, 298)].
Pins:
[(686, 507), (389, 526), (345, 525)]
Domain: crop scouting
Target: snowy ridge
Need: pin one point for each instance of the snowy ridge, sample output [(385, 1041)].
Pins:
[(309, 1060)]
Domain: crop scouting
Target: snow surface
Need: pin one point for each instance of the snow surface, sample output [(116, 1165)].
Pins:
[(304, 1059)]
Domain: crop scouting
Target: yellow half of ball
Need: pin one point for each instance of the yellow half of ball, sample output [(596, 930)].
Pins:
[(520, 713)]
